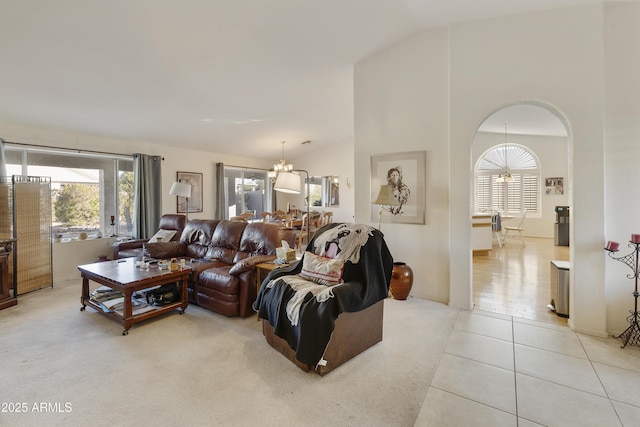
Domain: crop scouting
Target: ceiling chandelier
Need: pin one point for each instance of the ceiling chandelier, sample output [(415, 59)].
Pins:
[(283, 166), (505, 176)]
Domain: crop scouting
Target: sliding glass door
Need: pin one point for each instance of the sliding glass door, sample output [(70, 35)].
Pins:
[(246, 190)]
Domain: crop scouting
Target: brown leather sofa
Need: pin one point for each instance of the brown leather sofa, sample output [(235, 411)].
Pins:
[(223, 255), (134, 248)]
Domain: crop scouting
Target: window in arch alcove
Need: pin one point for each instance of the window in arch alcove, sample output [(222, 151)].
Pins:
[(507, 197)]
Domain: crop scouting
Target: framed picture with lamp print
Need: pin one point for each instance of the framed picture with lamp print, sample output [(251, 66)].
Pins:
[(405, 173), (195, 201)]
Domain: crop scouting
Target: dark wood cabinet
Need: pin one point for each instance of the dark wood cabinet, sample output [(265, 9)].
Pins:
[(7, 288)]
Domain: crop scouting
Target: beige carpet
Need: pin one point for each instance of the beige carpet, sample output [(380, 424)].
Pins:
[(75, 368)]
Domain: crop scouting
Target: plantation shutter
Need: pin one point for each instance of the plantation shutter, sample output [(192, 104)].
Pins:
[(514, 203), (497, 194), (483, 193), (530, 192)]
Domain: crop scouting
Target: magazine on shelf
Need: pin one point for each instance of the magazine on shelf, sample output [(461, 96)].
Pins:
[(113, 303), (135, 310)]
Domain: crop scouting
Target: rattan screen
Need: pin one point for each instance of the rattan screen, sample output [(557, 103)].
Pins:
[(32, 228)]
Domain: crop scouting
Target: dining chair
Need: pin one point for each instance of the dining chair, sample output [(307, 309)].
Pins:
[(301, 235), (287, 219), (519, 228), (316, 220), (248, 215), (327, 218), (265, 216), (496, 227), (278, 214)]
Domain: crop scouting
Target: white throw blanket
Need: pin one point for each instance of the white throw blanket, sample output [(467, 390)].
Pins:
[(302, 287)]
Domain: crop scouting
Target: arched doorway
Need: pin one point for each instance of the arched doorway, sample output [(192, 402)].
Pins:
[(514, 279)]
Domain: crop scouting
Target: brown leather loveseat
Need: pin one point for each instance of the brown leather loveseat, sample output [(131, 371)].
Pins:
[(223, 255)]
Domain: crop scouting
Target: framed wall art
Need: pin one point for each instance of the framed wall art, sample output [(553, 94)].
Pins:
[(405, 173), (195, 201), (334, 191), (554, 185)]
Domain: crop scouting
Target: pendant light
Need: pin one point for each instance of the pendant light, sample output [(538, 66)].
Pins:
[(506, 175), (283, 166)]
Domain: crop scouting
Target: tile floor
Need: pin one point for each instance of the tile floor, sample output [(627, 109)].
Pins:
[(499, 370)]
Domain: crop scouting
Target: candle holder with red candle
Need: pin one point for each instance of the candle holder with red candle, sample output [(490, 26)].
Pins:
[(612, 246), (631, 335)]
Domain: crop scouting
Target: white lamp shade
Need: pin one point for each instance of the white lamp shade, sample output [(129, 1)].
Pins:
[(181, 189), (287, 182)]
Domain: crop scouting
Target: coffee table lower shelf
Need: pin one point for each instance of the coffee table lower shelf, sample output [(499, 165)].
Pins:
[(128, 322)]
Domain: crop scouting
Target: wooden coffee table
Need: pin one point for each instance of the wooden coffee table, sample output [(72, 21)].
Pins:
[(123, 276)]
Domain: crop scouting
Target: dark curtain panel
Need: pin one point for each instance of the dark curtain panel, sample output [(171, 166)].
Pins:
[(147, 200), (3, 162), (274, 196), (220, 192), (6, 198)]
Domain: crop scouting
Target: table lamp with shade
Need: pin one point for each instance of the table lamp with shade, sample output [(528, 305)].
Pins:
[(182, 189), (385, 198)]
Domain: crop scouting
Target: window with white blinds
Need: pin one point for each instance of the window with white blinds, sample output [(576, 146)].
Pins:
[(508, 197)]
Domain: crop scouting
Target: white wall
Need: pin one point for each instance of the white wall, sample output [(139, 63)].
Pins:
[(622, 68), (556, 58), (401, 104), (432, 91), (67, 256), (336, 160), (552, 152)]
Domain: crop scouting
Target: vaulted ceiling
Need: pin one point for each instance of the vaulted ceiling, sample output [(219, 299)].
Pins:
[(230, 76)]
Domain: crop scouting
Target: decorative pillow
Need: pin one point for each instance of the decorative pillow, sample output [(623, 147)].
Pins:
[(162, 250), (163, 235), (322, 270)]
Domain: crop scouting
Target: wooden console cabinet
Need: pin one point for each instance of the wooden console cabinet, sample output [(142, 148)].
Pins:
[(7, 290)]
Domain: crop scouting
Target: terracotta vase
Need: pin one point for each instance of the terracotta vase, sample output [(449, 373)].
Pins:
[(401, 280)]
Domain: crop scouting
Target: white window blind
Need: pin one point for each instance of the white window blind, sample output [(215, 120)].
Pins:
[(510, 197)]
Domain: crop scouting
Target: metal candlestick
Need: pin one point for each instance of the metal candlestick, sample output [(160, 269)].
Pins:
[(632, 333)]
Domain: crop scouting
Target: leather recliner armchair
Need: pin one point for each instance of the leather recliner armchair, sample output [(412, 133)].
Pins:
[(134, 248)]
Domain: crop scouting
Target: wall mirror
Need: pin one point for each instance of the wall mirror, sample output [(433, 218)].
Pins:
[(324, 191)]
